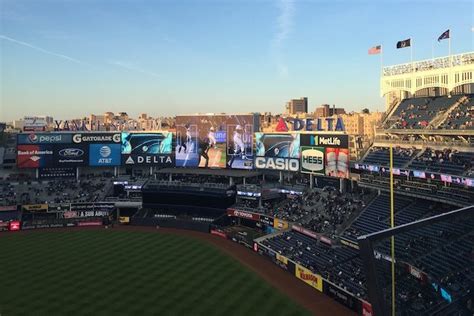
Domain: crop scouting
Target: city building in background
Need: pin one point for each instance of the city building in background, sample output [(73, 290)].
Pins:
[(297, 106)]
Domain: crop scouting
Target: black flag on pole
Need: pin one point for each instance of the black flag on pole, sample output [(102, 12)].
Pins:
[(443, 36), (405, 43)]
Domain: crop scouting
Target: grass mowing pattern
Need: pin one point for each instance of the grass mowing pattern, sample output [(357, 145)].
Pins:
[(107, 272)]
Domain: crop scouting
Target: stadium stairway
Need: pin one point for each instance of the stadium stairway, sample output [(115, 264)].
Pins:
[(443, 115)]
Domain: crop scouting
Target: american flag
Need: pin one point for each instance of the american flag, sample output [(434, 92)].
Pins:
[(375, 50)]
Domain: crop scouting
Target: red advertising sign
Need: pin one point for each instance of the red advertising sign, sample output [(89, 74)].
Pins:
[(14, 225), (218, 233), (255, 247), (366, 309), (306, 232), (243, 214), (9, 208), (94, 223)]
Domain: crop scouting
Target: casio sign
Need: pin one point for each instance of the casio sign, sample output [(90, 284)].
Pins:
[(312, 159), (277, 163), (71, 152)]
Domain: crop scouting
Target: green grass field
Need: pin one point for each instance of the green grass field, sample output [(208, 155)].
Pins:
[(106, 272)]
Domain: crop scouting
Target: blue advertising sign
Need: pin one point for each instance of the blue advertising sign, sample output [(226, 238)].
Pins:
[(104, 155), (44, 138)]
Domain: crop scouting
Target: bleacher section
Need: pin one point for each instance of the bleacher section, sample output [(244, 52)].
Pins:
[(381, 156), (375, 216), (443, 161), (417, 113)]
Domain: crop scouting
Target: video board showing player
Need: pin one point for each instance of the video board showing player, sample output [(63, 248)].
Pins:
[(283, 145), (186, 151), (214, 141)]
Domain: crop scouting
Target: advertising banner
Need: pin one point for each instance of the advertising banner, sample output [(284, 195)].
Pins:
[(81, 210), (349, 243), (153, 148), (124, 219), (280, 224), (34, 156), (113, 138), (43, 138), (35, 207), (309, 277), (366, 309), (281, 258), (312, 160), (325, 140), (93, 223), (243, 214), (218, 233), (103, 155), (342, 296), (215, 141), (325, 154), (267, 220), (34, 123), (8, 208), (277, 151), (14, 226), (70, 155), (4, 226), (52, 172)]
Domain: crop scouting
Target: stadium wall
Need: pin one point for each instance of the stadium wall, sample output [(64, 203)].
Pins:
[(171, 223), (316, 281)]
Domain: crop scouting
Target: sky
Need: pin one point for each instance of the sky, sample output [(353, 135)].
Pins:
[(70, 58)]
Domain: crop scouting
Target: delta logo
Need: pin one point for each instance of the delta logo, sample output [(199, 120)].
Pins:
[(310, 124)]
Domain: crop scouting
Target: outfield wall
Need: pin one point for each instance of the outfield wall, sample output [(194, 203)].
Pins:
[(171, 223), (316, 281)]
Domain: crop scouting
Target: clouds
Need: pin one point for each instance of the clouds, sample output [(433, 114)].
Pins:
[(284, 25), (12, 40)]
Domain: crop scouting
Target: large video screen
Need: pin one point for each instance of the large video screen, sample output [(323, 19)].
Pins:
[(325, 154), (150, 148), (215, 141), (277, 151), (68, 150)]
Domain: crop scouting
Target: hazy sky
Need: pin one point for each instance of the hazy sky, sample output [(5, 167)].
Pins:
[(69, 58)]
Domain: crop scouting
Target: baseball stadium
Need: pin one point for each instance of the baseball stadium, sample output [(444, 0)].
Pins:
[(246, 213), (220, 218)]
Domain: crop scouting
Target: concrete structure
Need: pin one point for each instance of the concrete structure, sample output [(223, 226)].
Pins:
[(430, 77)]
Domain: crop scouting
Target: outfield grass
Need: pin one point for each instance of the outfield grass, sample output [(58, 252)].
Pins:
[(106, 272)]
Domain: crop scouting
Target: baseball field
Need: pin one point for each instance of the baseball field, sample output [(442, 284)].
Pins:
[(120, 272)]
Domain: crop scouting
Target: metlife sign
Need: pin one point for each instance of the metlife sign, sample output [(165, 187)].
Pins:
[(43, 138), (104, 155), (97, 138), (312, 160), (325, 140)]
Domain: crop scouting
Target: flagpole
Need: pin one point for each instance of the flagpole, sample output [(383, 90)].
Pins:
[(381, 59)]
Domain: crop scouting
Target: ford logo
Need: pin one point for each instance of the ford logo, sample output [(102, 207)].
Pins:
[(71, 152)]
